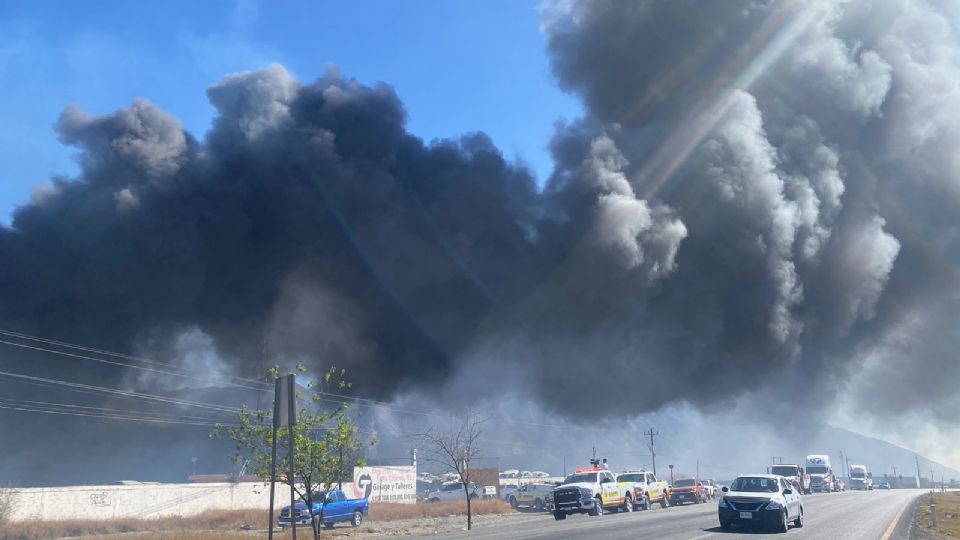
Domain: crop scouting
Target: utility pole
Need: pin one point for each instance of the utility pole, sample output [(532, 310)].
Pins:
[(653, 452), (291, 442), (843, 461), (917, 458), (273, 452)]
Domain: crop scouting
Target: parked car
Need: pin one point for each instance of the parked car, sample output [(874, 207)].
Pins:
[(884, 485), (329, 507), (761, 499), (530, 496), (687, 490), (453, 491)]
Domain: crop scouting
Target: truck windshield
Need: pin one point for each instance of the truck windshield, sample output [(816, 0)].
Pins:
[(759, 485), (318, 497), (785, 471), (685, 482), (855, 474), (630, 478), (817, 469), (582, 478)]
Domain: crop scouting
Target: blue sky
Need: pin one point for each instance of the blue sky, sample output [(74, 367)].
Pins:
[(457, 65)]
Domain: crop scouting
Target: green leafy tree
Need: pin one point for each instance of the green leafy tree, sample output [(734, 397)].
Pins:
[(327, 443)]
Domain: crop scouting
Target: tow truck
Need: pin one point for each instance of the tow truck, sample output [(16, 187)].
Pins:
[(591, 491)]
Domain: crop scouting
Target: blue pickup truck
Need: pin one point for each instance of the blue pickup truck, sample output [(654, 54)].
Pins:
[(329, 507)]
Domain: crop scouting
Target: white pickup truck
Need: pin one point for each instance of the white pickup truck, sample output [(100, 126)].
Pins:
[(645, 489), (591, 491), (710, 488)]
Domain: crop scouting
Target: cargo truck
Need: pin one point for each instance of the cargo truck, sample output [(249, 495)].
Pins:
[(822, 479), (860, 479), (794, 474)]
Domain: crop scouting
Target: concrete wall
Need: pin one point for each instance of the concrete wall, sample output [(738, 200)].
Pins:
[(141, 501)]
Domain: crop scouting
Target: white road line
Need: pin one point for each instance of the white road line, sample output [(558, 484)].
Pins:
[(896, 519), (701, 536)]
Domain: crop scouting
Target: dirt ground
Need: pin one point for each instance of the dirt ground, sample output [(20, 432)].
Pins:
[(385, 520), (948, 515)]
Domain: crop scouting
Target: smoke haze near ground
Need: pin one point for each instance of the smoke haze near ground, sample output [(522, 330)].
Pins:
[(761, 202)]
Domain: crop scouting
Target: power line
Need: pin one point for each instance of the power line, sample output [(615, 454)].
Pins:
[(112, 353), (122, 364), (128, 393), (362, 401), (327, 396), (24, 408), (72, 406)]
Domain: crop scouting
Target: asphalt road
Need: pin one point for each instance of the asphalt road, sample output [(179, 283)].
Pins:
[(828, 516)]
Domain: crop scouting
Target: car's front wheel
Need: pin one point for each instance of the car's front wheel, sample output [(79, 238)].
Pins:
[(357, 518), (513, 503), (628, 504)]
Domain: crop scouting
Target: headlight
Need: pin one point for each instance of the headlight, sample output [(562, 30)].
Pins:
[(773, 505), (723, 503), (587, 491)]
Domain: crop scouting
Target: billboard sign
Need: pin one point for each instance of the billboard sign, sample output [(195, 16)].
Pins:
[(385, 484)]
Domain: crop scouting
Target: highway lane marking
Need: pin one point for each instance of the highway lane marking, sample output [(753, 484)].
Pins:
[(701, 536), (896, 519)]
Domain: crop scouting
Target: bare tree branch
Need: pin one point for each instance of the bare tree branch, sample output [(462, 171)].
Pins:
[(454, 450)]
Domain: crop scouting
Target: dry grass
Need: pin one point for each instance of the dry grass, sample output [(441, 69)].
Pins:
[(948, 515), (196, 535), (221, 525), (395, 511), (214, 520)]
